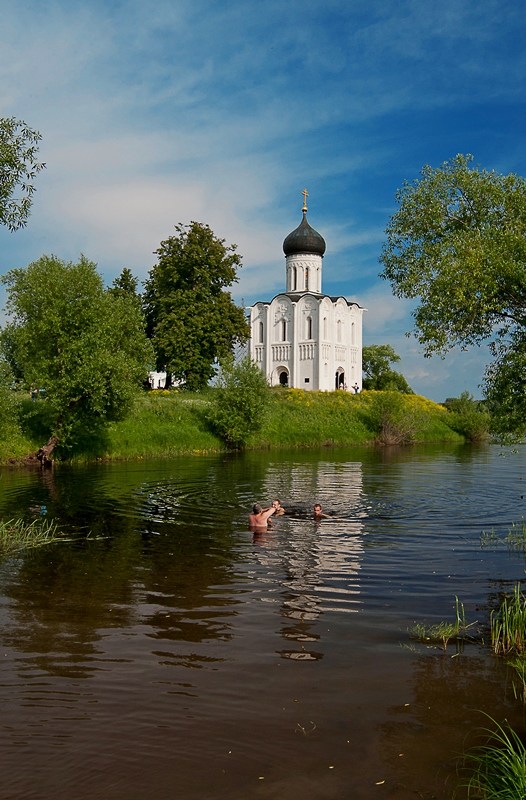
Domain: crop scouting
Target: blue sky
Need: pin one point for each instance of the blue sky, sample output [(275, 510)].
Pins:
[(154, 113)]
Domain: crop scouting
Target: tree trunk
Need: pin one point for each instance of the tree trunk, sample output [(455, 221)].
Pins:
[(44, 453), (168, 381)]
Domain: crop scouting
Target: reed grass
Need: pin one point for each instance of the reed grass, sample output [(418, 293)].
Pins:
[(488, 538), (17, 534), (516, 536), (518, 665), (497, 770), (443, 632), (508, 625)]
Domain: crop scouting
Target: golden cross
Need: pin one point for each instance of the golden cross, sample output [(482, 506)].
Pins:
[(305, 195)]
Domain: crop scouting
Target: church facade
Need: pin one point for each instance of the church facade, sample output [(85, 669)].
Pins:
[(303, 338)]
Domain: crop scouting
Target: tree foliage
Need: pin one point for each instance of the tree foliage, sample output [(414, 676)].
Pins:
[(192, 319), (376, 364), (458, 243), (18, 168), (125, 284), (468, 417), (8, 403), (84, 345), (240, 401)]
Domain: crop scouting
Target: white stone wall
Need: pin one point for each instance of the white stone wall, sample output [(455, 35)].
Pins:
[(304, 272), (311, 340)]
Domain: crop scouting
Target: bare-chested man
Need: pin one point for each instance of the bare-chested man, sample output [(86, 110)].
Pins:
[(258, 519)]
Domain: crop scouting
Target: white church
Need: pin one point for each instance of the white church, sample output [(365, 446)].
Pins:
[(303, 338)]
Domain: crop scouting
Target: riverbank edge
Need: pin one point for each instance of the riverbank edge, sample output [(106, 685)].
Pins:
[(167, 424)]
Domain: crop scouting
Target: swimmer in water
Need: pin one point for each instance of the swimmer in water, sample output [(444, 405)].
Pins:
[(279, 510), (259, 517), (318, 513)]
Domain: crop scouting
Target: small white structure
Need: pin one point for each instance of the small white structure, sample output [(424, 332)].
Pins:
[(303, 338), (157, 379)]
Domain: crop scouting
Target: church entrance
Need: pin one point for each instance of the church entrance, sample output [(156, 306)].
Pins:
[(339, 382), (283, 378)]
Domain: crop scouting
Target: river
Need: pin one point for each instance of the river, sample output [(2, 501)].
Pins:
[(165, 652)]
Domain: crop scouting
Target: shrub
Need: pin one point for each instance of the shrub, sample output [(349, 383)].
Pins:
[(392, 420), (9, 405), (240, 403), (468, 417)]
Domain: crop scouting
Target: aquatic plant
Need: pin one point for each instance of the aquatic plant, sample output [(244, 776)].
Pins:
[(516, 536), (518, 664), (488, 538), (497, 770), (508, 624), (443, 631), (17, 534)]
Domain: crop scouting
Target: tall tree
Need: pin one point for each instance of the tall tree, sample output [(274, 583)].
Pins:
[(18, 168), (84, 345), (125, 284), (192, 319), (376, 365), (458, 243)]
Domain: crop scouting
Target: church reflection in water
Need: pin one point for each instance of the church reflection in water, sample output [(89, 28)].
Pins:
[(312, 566)]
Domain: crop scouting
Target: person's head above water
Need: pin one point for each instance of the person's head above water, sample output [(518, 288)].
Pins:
[(317, 509), (256, 508), (276, 503)]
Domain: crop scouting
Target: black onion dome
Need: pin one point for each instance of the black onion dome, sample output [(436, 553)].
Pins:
[(304, 240)]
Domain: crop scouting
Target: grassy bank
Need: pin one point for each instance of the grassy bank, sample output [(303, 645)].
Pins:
[(166, 424), (299, 418)]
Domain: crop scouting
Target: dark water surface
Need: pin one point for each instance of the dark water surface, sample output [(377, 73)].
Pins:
[(171, 654)]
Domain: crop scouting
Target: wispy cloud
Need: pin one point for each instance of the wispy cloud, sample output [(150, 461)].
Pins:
[(155, 113)]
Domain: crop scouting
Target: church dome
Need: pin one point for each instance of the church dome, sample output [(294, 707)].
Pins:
[(304, 240)]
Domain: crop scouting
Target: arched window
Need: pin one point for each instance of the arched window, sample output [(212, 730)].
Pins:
[(261, 333), (339, 330), (324, 327), (294, 279), (309, 327), (306, 279), (283, 330)]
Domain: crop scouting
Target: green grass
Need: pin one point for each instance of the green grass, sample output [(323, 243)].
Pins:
[(300, 418), (515, 538), (162, 426), (172, 423), (17, 534), (508, 625), (497, 770), (443, 632)]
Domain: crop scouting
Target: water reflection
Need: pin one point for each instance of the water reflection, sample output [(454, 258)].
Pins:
[(178, 639), (424, 738), (316, 563)]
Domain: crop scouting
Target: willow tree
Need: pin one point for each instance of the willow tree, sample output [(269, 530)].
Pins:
[(83, 344), (457, 243), (192, 319)]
